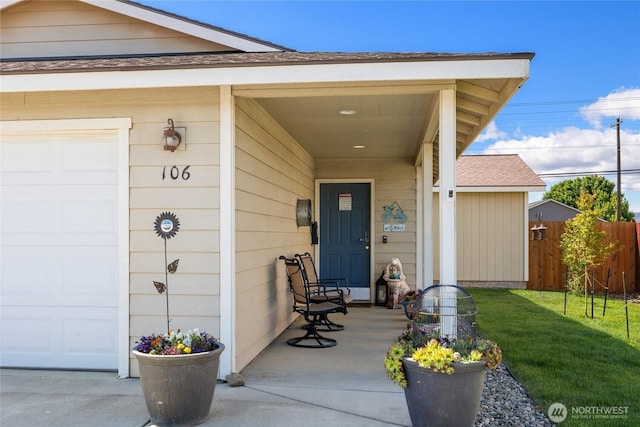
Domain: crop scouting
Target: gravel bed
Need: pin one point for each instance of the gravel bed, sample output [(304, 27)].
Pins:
[(506, 403)]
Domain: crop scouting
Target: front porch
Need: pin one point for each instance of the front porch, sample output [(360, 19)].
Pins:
[(345, 385)]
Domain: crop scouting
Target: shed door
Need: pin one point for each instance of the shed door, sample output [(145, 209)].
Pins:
[(59, 259)]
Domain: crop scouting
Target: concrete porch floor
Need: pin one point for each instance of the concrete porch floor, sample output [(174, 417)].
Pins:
[(345, 385)]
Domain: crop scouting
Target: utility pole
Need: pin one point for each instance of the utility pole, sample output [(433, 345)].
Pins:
[(619, 185)]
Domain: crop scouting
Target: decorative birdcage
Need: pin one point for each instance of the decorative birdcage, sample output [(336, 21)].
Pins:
[(443, 311)]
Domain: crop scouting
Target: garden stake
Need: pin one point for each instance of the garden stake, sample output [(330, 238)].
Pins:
[(626, 308), (566, 285), (166, 226), (606, 292), (593, 285), (166, 280)]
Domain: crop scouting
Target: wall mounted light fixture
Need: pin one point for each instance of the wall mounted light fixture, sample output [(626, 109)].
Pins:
[(171, 137)]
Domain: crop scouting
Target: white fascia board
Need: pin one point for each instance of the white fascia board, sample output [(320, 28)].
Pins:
[(183, 26), (272, 74), (507, 189)]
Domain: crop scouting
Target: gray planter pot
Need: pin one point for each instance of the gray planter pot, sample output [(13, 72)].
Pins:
[(178, 390), (435, 399)]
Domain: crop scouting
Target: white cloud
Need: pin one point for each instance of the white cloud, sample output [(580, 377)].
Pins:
[(574, 150), (585, 151), (491, 132), (623, 103)]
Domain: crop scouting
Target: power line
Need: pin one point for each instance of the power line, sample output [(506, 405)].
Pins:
[(572, 101), (557, 150), (567, 111), (554, 147), (583, 173)]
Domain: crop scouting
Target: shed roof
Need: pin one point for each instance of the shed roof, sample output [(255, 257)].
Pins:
[(495, 170), (506, 172)]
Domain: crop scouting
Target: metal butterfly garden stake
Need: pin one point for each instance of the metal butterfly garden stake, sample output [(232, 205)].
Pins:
[(166, 226)]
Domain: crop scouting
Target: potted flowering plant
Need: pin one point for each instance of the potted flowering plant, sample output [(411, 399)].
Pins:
[(178, 370), (177, 342), (439, 362)]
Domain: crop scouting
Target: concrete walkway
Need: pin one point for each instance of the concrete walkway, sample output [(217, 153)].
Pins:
[(345, 385)]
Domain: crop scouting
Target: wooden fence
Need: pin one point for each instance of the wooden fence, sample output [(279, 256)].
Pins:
[(547, 271)]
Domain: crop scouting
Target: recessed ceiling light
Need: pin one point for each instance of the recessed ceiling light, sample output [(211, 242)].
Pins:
[(358, 146), (348, 112)]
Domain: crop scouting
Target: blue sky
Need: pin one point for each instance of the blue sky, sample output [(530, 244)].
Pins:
[(585, 74)]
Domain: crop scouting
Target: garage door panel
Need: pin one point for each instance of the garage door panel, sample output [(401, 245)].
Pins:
[(54, 179), (18, 324), (63, 337), (59, 263), (95, 327), (88, 156), (24, 215), (81, 215), (92, 216), (60, 276), (25, 157), (90, 281), (58, 162), (26, 275)]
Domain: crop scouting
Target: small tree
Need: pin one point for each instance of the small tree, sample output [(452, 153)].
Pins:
[(583, 246)]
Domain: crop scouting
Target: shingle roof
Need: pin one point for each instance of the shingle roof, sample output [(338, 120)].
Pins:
[(551, 201), (500, 170), (231, 59)]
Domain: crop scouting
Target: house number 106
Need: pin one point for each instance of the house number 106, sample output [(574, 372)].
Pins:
[(175, 173)]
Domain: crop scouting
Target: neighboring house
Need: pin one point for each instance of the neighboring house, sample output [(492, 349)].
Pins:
[(551, 211), (87, 91)]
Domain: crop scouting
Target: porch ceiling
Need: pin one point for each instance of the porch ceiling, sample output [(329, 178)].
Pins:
[(389, 125)]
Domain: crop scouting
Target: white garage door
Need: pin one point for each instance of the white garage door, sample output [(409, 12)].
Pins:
[(59, 259)]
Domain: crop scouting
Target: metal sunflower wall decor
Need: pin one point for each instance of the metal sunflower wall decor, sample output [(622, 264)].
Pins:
[(166, 226)]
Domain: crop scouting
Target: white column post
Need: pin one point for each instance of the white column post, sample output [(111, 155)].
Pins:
[(227, 230), (447, 208), (427, 215)]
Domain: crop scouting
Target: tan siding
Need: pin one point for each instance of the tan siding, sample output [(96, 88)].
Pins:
[(272, 173), (394, 181), (52, 28), (490, 237), (195, 289)]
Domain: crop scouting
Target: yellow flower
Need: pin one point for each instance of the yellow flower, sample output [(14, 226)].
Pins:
[(181, 346), (187, 350)]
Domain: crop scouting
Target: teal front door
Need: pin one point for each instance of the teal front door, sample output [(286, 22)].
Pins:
[(345, 233)]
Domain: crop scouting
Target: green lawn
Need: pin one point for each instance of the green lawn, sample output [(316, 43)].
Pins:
[(586, 364)]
